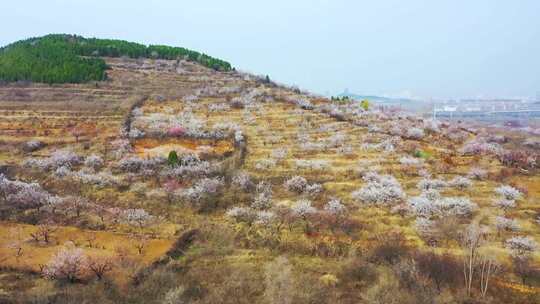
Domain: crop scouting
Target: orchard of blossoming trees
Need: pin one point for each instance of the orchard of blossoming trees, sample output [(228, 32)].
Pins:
[(173, 182)]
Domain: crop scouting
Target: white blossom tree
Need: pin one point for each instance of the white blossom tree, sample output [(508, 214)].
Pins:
[(429, 183), (204, 192), (521, 245), (383, 190), (137, 217), (33, 145), (415, 133), (94, 161), (508, 192), (505, 204), (21, 195), (303, 209), (265, 164), (279, 153), (478, 173), (335, 212), (243, 181), (64, 158), (265, 218), (456, 206), (506, 224), (67, 264), (335, 207), (262, 200), (522, 249), (242, 214), (411, 161), (430, 204), (296, 184), (313, 190), (461, 182)]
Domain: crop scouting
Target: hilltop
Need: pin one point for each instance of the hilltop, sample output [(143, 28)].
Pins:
[(61, 58), (170, 180)]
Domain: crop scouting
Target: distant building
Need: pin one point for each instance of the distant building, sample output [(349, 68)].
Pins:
[(474, 107), (497, 100)]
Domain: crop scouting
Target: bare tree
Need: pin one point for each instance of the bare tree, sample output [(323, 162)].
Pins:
[(489, 267), (90, 239), (122, 255), (17, 244), (521, 249), (44, 232), (140, 242), (523, 268), (77, 133), (101, 212), (17, 248), (446, 229), (76, 205), (100, 265), (471, 242), (441, 269)]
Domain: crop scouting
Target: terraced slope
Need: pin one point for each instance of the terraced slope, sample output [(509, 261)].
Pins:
[(234, 198)]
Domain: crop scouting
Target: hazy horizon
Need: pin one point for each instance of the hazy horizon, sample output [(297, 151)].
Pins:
[(391, 48)]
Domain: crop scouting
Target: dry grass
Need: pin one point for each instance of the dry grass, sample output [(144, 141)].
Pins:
[(99, 243)]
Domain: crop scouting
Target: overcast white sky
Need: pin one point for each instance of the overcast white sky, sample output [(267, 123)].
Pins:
[(417, 47)]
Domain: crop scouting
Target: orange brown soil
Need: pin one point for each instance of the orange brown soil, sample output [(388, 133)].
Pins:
[(151, 147)]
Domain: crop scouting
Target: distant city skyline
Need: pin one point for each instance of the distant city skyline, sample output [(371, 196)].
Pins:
[(417, 48), (407, 95)]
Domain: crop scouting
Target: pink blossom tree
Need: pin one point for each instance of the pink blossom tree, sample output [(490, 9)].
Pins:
[(176, 131)]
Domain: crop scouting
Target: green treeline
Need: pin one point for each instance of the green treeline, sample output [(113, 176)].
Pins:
[(63, 58)]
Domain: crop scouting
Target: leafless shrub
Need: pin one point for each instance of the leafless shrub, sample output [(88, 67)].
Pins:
[(44, 233), (100, 265), (440, 269), (390, 249)]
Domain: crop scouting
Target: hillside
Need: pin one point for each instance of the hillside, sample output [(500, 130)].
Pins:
[(413, 105), (179, 181)]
